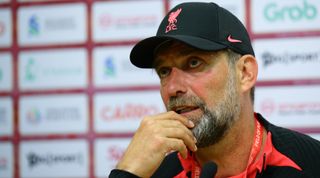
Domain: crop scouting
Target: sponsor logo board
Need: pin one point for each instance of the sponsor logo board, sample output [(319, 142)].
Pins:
[(5, 27), (53, 114), (6, 72), (315, 136), (54, 24), (6, 160), (122, 112), (6, 116), (112, 68), (288, 59), (107, 153), (110, 23), (237, 7), (4, 1), (59, 158), (291, 107), (53, 69), (271, 16)]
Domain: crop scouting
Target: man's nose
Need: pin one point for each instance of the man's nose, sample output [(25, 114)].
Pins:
[(176, 83)]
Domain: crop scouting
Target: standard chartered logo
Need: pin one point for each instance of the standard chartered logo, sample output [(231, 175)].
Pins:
[(295, 12)]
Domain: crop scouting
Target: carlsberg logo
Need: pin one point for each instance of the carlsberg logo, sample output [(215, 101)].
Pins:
[(295, 12)]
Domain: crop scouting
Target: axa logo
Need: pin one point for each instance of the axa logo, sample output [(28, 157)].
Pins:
[(109, 67), (172, 20), (33, 26), (273, 12)]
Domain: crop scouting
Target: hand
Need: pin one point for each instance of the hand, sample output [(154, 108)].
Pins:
[(157, 136)]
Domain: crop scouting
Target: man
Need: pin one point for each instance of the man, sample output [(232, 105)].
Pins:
[(204, 59)]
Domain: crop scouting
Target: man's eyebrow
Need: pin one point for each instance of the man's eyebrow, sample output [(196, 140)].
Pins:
[(158, 61)]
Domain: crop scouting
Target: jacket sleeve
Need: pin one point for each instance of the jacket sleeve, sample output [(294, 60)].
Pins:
[(117, 173)]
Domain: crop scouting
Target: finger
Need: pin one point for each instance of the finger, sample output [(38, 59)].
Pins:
[(177, 145), (183, 134), (171, 115), (174, 124)]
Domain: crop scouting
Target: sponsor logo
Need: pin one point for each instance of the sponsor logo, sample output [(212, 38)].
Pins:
[(53, 114), (305, 11), (3, 114), (3, 163), (127, 112), (172, 20), (66, 23), (33, 115), (33, 71), (34, 26), (106, 21), (49, 24), (232, 40), (269, 107), (50, 159), (2, 28), (109, 67), (1, 74), (115, 153), (286, 58)]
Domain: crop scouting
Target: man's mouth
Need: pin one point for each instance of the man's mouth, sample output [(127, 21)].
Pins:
[(184, 109)]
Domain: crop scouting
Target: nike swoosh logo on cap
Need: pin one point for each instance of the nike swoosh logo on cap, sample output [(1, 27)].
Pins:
[(230, 39)]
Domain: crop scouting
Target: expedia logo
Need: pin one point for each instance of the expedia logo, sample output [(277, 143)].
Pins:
[(51, 159), (304, 11), (268, 58)]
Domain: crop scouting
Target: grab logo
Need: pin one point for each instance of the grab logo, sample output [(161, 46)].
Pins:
[(304, 11)]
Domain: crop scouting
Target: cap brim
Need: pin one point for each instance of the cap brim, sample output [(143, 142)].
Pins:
[(142, 54)]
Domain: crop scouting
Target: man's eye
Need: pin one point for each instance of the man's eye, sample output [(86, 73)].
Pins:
[(193, 63), (163, 72)]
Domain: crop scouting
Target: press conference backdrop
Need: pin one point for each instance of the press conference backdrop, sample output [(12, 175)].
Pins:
[(70, 100)]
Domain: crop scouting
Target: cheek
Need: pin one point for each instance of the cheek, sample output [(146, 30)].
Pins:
[(164, 96), (210, 88)]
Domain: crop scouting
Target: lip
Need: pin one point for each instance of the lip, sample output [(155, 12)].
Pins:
[(185, 110)]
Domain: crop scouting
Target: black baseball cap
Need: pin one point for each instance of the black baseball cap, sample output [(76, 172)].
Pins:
[(204, 26)]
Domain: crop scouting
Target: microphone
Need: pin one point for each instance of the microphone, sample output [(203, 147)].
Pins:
[(209, 170)]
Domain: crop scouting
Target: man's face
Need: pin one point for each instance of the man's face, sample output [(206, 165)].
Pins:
[(200, 86)]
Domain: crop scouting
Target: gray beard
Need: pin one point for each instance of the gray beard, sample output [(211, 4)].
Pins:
[(215, 122)]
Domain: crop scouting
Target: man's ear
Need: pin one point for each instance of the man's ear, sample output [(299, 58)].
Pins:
[(247, 68)]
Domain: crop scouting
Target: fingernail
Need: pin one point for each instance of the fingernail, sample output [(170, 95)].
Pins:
[(191, 123), (195, 140), (195, 147)]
